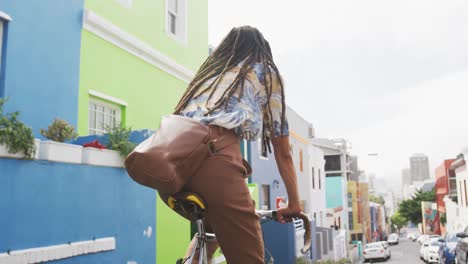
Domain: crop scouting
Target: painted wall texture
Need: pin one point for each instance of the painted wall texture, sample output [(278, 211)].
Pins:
[(48, 71), (149, 91), (333, 191), (146, 20), (265, 172), (50, 203), (354, 194)]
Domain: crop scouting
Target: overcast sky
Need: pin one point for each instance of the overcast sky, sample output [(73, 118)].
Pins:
[(389, 76)]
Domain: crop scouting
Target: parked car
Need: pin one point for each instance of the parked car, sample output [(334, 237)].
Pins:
[(393, 239), (429, 251), (387, 249), (447, 248), (422, 238), (461, 250), (374, 251), (412, 236)]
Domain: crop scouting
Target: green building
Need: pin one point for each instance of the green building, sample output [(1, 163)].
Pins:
[(137, 57)]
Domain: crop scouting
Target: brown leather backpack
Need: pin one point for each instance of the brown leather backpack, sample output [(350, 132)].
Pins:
[(167, 159)]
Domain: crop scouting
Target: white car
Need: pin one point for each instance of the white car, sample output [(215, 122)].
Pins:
[(412, 236), (386, 248), (374, 251), (393, 239), (422, 238), (429, 251)]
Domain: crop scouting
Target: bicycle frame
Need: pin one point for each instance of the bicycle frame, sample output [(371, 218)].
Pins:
[(203, 238)]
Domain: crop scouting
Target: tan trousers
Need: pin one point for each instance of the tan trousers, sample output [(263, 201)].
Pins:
[(230, 209)]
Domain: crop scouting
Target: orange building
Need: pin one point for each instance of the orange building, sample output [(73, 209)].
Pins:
[(442, 174)]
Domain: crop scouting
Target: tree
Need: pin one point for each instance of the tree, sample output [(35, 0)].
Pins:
[(377, 199), (398, 220), (411, 208)]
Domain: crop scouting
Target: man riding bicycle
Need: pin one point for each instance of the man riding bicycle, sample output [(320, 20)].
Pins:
[(238, 92)]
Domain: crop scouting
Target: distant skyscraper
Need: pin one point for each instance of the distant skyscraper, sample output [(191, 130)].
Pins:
[(419, 167), (405, 177)]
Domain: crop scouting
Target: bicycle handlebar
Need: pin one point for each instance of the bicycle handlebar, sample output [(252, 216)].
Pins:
[(308, 238)]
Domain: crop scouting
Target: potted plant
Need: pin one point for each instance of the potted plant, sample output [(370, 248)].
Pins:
[(119, 140), (94, 153), (16, 139), (55, 149)]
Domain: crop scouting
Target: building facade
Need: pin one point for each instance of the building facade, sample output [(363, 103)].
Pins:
[(442, 175), (457, 211), (310, 166), (419, 167), (97, 64), (355, 216), (337, 172)]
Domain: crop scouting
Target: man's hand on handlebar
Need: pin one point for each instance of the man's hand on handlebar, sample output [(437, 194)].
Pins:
[(286, 214)]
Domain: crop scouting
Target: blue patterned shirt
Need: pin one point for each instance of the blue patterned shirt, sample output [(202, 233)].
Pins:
[(245, 116)]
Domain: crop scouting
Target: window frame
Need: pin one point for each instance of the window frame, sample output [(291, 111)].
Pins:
[(3, 24), (106, 105), (320, 179), (260, 153), (265, 198), (5, 19), (181, 21), (313, 178)]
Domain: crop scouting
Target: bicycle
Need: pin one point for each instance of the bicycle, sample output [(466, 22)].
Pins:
[(193, 207)]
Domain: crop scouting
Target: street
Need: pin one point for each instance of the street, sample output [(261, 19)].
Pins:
[(405, 252)]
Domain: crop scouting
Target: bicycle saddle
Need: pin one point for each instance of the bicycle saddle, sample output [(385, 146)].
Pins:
[(188, 205)]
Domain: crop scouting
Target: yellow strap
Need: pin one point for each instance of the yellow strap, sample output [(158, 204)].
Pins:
[(195, 199), (171, 202)]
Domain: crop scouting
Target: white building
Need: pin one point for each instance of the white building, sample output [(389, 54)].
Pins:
[(310, 166), (457, 211), (390, 203), (337, 173)]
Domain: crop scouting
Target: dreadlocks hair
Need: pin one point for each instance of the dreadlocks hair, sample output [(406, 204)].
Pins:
[(242, 43)]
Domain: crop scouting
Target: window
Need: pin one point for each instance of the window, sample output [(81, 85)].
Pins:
[(101, 116), (262, 154), (301, 164), (176, 19), (313, 178), (265, 196), (310, 131), (1, 44), (333, 163), (350, 200), (466, 197), (350, 220), (461, 193), (320, 179)]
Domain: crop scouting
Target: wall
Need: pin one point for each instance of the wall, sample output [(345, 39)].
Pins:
[(364, 189), (148, 90), (353, 187), (42, 60), (318, 204), (266, 172), (55, 203), (333, 191), (145, 20)]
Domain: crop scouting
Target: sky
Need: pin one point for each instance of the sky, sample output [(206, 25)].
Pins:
[(391, 77)]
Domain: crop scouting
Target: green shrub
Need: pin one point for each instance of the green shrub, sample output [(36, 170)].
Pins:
[(119, 140), (14, 134), (59, 131)]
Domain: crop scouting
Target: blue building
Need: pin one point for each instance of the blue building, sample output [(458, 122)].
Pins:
[(41, 80), (55, 211)]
